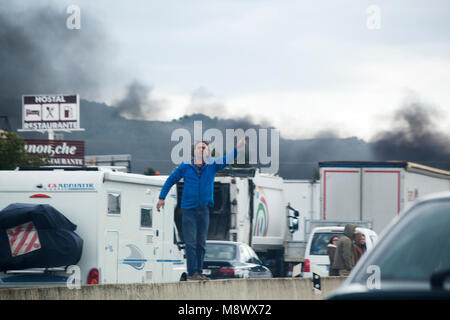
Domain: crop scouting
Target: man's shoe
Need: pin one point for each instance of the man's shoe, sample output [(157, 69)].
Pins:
[(195, 277), (204, 277)]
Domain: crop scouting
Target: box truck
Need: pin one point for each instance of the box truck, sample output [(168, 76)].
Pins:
[(125, 240), (375, 191)]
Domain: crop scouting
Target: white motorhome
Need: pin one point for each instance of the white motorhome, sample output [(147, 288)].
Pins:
[(125, 239), (376, 191)]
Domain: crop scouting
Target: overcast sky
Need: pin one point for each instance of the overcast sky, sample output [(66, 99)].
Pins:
[(302, 66)]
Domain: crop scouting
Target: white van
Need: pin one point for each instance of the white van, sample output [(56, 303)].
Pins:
[(125, 239), (316, 256)]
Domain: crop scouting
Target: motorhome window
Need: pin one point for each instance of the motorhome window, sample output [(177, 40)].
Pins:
[(146, 218), (114, 203)]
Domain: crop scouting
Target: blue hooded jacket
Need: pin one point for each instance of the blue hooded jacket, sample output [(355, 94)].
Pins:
[(197, 191)]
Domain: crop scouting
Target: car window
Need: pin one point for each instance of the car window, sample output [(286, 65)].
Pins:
[(416, 247), (320, 241), (220, 251), (253, 256), (244, 254)]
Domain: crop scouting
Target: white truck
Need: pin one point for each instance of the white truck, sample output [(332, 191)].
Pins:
[(249, 207), (375, 191), (125, 239), (304, 195)]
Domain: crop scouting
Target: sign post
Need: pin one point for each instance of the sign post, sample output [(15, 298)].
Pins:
[(50, 113)]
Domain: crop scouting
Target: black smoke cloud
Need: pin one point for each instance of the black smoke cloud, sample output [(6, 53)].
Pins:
[(39, 54), (206, 103), (414, 137), (139, 104)]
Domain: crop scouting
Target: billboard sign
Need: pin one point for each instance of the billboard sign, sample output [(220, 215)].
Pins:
[(50, 112), (59, 152)]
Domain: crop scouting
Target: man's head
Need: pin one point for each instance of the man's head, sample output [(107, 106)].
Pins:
[(349, 230), (200, 151)]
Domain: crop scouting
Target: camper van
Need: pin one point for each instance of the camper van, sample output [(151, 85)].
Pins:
[(125, 239)]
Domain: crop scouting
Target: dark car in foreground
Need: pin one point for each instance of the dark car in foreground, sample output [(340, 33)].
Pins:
[(227, 259), (411, 259)]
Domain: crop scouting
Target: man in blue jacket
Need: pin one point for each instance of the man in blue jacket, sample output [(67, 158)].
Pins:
[(197, 196)]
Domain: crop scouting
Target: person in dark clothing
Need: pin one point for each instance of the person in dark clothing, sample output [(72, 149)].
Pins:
[(359, 247), (344, 260), (331, 250), (196, 199)]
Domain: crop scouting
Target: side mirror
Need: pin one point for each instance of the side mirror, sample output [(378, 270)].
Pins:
[(293, 226), (293, 220), (438, 278)]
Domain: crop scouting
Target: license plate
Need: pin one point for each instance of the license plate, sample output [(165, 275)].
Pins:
[(206, 271)]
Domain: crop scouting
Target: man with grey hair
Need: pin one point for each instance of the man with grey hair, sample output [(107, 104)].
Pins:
[(196, 199)]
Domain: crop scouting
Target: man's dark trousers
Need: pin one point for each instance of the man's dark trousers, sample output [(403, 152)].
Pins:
[(195, 223)]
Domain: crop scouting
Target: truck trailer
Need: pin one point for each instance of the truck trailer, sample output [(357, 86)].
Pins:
[(375, 191)]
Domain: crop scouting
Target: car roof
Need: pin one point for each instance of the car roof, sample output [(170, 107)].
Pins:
[(224, 242), (336, 228), (328, 228)]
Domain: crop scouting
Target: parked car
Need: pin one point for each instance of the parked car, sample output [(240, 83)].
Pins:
[(227, 259), (316, 256), (411, 260)]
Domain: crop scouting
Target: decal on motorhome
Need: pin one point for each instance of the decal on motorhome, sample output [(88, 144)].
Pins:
[(262, 214), (70, 187), (135, 259)]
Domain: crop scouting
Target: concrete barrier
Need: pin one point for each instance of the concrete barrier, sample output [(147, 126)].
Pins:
[(238, 289)]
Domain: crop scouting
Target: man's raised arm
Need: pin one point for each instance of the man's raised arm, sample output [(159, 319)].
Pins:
[(226, 160)]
